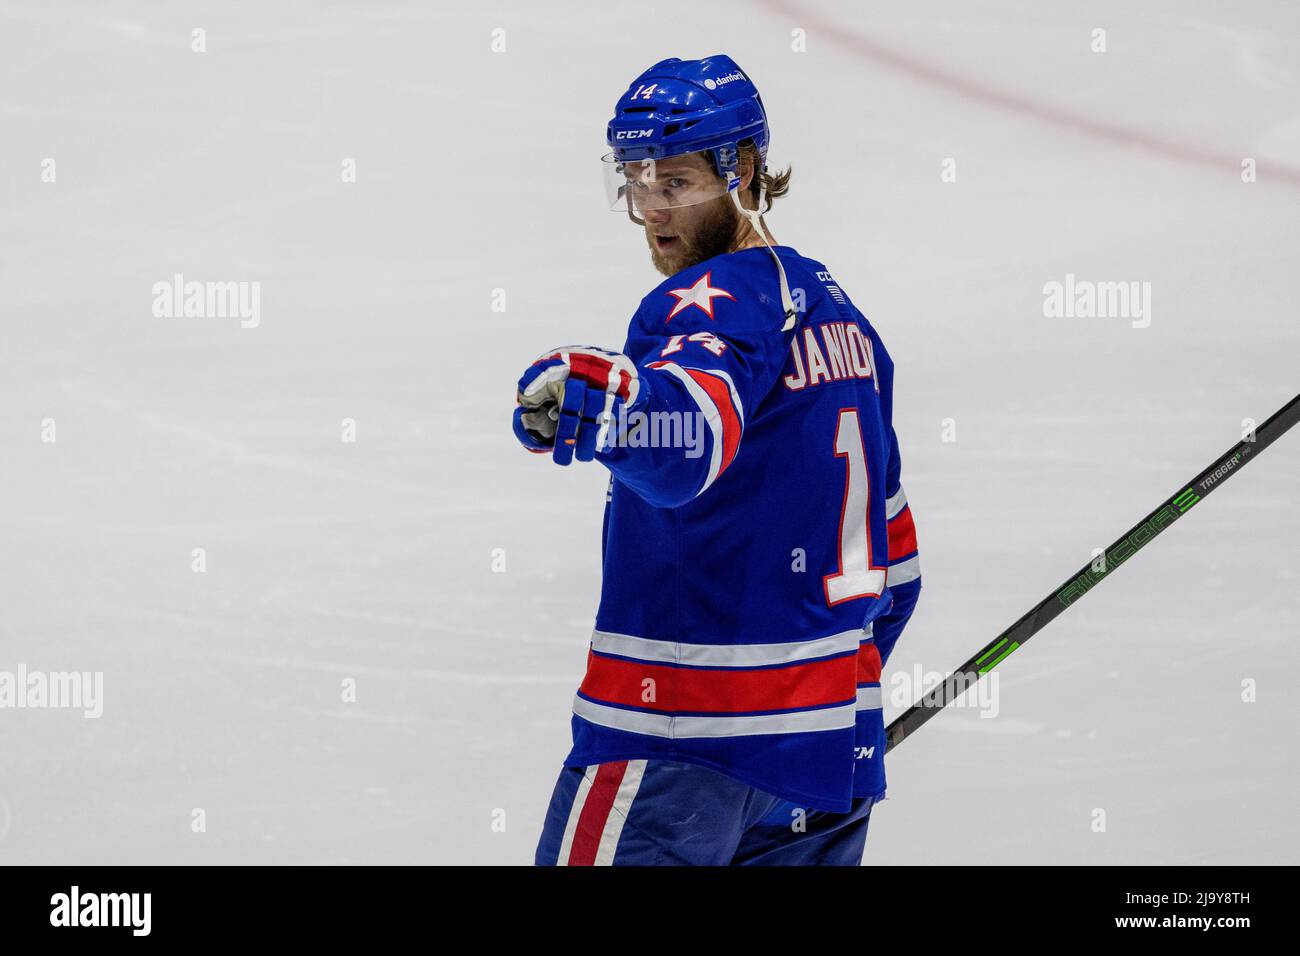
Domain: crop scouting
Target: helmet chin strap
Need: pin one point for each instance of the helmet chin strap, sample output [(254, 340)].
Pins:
[(756, 221)]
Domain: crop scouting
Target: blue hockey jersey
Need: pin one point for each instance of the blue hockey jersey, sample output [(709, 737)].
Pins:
[(760, 557)]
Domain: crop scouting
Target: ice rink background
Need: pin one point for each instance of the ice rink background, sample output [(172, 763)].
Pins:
[(478, 171)]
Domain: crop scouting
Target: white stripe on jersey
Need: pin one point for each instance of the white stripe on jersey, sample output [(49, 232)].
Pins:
[(870, 698), (723, 655), (678, 726), (895, 504), (711, 416), (904, 571), (731, 386)]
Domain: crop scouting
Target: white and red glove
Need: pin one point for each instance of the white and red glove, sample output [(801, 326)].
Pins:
[(568, 398)]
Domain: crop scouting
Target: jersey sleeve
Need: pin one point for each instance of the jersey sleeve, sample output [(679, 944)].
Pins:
[(903, 574), (707, 353)]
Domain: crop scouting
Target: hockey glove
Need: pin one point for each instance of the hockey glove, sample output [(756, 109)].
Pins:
[(568, 399)]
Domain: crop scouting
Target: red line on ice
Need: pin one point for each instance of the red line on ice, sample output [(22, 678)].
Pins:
[(869, 49)]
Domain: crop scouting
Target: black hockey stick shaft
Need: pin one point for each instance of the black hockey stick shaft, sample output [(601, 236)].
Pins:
[(1084, 580)]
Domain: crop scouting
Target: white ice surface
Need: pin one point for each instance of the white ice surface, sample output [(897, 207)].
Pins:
[(478, 171)]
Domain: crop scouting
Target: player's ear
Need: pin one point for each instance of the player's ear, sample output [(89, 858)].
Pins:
[(745, 170)]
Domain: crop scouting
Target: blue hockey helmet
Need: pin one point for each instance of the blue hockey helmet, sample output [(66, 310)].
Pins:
[(684, 106), (678, 107)]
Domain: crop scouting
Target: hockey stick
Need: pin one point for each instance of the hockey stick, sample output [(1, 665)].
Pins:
[(1084, 580)]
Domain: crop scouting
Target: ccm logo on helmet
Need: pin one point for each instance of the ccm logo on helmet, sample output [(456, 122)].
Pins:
[(633, 133)]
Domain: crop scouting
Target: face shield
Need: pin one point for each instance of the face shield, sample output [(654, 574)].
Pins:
[(635, 186)]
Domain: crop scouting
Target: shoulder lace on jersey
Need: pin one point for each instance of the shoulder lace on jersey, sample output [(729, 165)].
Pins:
[(756, 221)]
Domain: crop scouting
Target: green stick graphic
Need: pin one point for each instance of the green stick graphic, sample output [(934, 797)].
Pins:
[(995, 652)]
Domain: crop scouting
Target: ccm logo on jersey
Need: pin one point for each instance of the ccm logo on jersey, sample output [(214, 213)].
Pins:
[(633, 133)]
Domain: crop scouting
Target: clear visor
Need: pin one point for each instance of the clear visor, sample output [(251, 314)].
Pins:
[(638, 185)]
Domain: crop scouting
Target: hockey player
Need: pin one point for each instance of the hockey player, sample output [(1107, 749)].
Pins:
[(760, 559)]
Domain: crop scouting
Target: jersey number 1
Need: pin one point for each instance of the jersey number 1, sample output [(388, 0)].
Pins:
[(856, 578)]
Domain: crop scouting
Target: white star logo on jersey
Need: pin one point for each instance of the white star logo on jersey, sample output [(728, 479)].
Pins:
[(701, 294)]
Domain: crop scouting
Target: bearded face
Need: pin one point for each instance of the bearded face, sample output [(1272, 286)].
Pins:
[(691, 234), (689, 216)]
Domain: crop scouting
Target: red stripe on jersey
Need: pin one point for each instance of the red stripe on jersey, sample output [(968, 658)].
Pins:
[(595, 813), (719, 391), (719, 690), (902, 534), (868, 664)]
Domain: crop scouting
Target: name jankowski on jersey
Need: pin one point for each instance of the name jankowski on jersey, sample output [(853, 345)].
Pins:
[(845, 353)]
